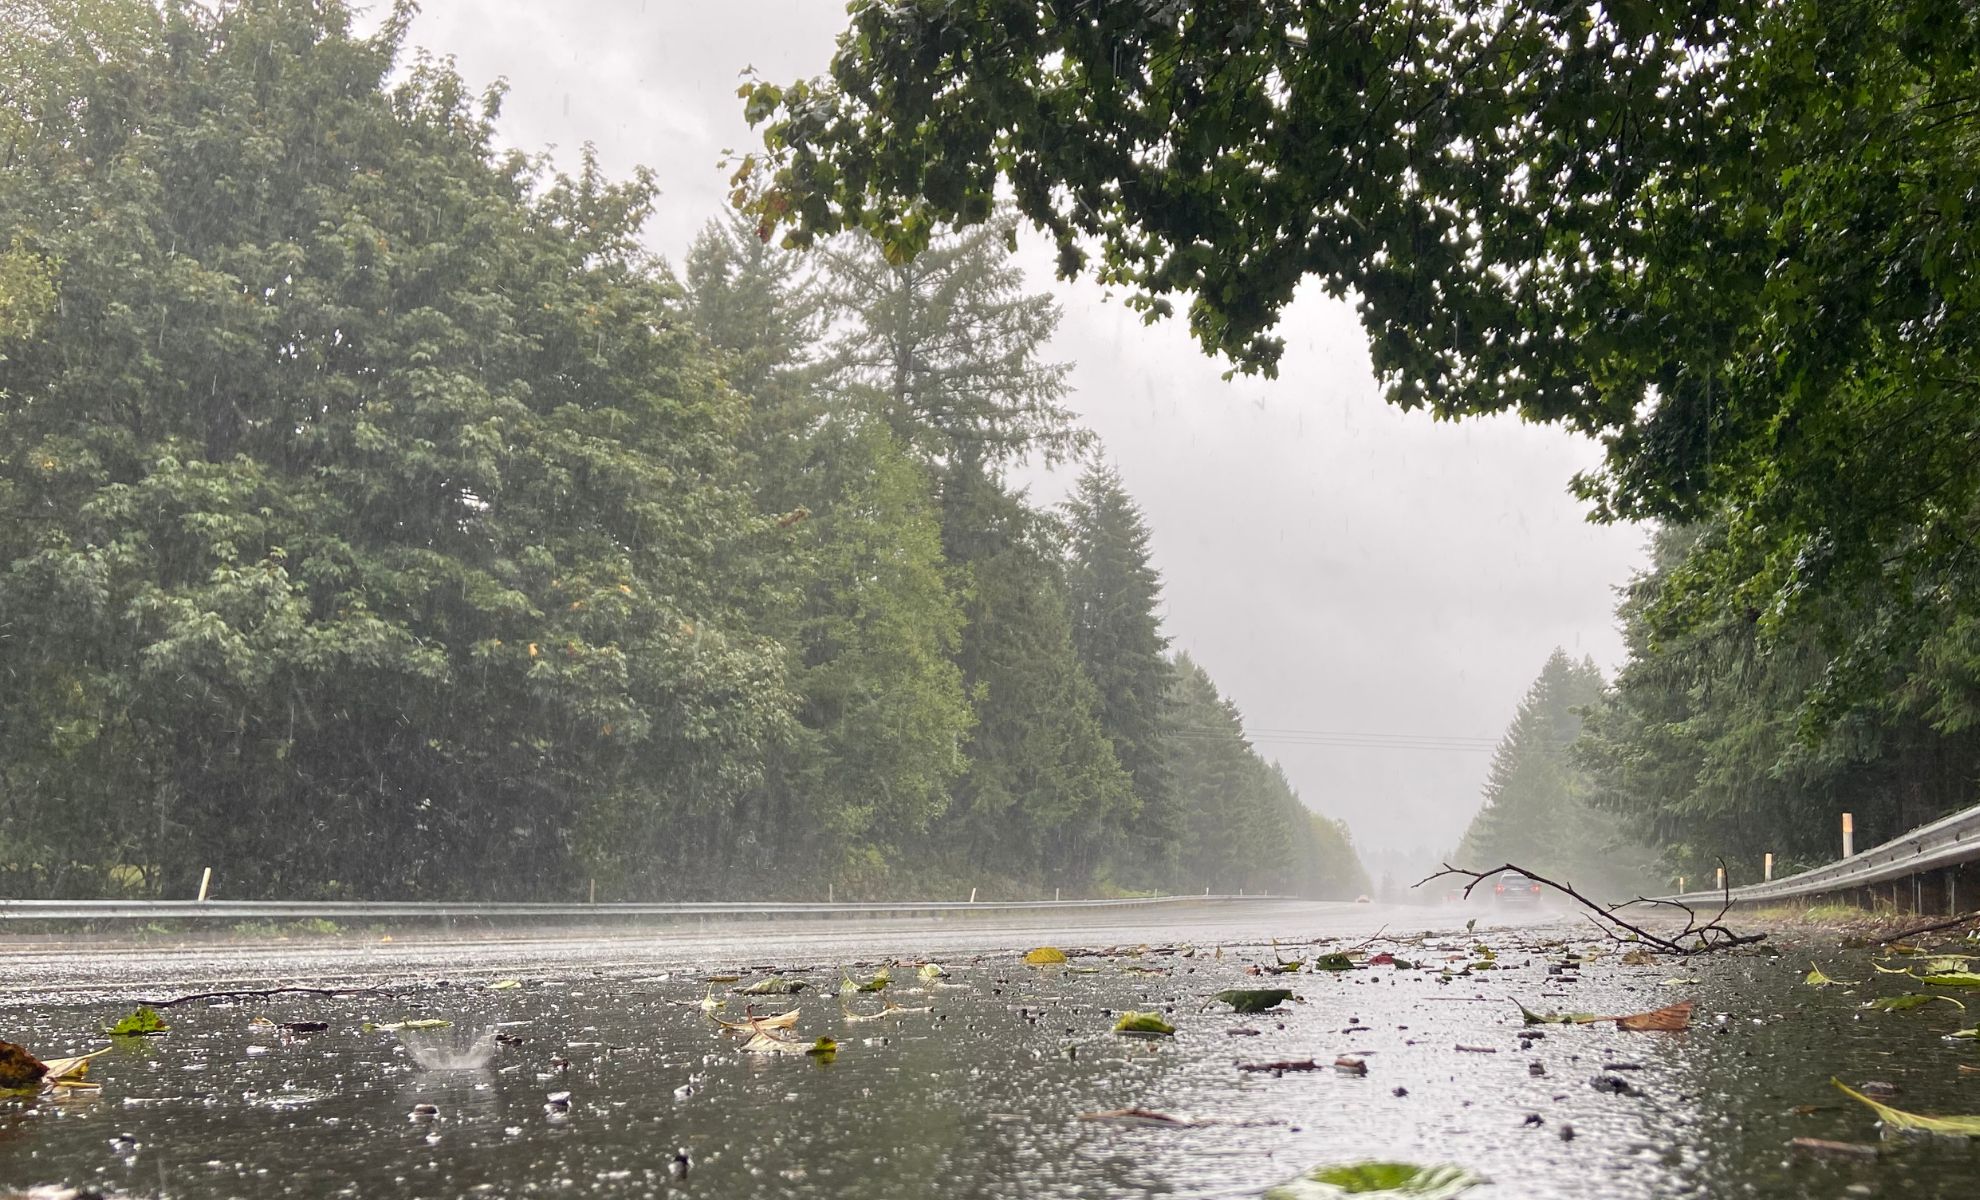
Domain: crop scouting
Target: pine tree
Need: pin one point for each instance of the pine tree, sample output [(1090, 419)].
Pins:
[(1043, 793), (1535, 811), (1115, 593), (861, 602), (947, 347)]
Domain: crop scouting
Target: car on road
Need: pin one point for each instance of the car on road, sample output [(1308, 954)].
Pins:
[(1513, 888)]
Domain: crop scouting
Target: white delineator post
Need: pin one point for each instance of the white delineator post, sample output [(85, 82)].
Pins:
[(1680, 885), (1849, 835), (1767, 868), (205, 878), (1721, 885)]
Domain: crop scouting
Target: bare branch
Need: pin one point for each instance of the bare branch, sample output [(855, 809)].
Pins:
[(1694, 938)]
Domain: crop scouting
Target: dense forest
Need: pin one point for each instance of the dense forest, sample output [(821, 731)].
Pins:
[(379, 517), (1733, 244)]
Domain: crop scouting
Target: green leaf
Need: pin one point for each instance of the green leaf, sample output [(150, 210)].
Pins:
[(1962, 979), (1333, 962), (142, 1023), (1402, 1181), (1534, 1018), (1147, 1024), (1815, 978), (824, 1049), (1907, 1001), (1905, 1122), (1254, 1000)]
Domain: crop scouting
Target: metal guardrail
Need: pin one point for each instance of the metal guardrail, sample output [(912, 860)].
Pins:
[(265, 910), (1947, 842)]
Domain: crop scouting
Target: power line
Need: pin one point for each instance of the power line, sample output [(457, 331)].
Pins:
[(1347, 739)]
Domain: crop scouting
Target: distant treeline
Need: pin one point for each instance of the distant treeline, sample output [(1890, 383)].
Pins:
[(1726, 737), (379, 518)]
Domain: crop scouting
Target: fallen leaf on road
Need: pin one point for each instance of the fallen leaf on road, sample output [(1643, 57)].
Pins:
[(1045, 956), (1906, 1122), (1815, 978), (1964, 979), (1908, 1001), (1534, 1018), (1402, 1181), (145, 1022), (1668, 1019), (1144, 1024), (754, 1024), (770, 1043), (1283, 1065)]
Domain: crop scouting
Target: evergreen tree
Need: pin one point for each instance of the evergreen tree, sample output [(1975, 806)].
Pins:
[(1247, 828), (946, 348), (1535, 811), (1043, 793), (862, 603), (1115, 593), (1718, 742)]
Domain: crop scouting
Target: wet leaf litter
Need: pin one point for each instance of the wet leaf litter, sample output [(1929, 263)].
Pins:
[(1340, 1041)]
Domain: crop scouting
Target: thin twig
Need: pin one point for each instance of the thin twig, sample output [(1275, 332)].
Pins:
[(263, 994), (1934, 927), (1694, 938)]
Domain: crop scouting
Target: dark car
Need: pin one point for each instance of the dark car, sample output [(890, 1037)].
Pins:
[(1513, 888)]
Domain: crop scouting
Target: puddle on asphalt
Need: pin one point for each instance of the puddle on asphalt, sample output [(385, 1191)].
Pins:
[(619, 1084)]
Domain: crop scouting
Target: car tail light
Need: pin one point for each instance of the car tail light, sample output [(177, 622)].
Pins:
[(1498, 887), (1536, 887)]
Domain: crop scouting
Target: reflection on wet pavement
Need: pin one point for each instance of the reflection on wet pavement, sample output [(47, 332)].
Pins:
[(609, 1079)]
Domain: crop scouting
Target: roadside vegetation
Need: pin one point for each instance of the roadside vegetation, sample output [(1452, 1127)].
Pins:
[(380, 518)]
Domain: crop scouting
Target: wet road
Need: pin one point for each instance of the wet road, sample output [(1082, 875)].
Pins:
[(616, 1083)]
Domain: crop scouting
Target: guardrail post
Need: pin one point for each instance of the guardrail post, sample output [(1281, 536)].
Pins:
[(1849, 835), (1767, 868)]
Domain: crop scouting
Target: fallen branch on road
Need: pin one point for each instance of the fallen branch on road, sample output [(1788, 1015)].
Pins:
[(1934, 927), (1695, 938)]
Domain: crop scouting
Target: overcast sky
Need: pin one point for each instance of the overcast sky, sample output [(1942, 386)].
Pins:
[(1336, 565)]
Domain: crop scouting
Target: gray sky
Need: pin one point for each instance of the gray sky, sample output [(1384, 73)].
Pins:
[(1336, 565)]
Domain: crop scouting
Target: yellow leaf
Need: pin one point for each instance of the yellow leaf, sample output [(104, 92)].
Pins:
[(1045, 956), (1897, 1118)]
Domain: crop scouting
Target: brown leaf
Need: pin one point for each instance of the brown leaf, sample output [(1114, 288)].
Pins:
[(1670, 1018), (1287, 1064), (19, 1070)]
